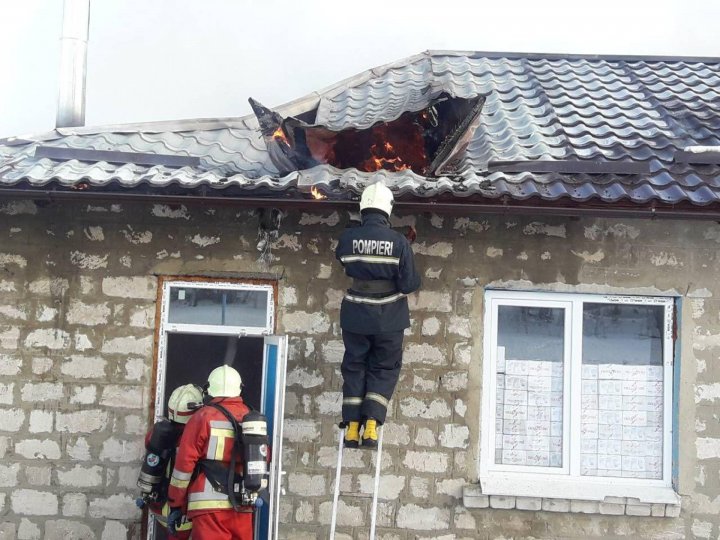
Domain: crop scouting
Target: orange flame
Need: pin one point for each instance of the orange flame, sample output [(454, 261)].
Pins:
[(386, 158), (383, 156), (316, 193), (279, 136)]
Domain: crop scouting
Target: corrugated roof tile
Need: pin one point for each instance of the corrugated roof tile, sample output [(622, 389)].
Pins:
[(537, 107)]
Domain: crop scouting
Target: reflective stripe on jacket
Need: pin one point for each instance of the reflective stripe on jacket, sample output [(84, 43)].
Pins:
[(207, 435), (374, 251)]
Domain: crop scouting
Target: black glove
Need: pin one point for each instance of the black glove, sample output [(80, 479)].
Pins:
[(174, 520)]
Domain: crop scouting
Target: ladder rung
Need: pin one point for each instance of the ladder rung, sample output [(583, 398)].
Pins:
[(356, 494)]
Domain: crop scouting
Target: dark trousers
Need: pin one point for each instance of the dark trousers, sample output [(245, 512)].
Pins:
[(370, 369)]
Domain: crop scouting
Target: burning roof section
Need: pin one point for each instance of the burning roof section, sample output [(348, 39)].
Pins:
[(428, 141)]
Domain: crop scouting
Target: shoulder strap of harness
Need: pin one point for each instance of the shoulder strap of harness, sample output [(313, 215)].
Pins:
[(237, 429)]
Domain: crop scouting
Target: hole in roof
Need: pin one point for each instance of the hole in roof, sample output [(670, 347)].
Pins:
[(429, 141)]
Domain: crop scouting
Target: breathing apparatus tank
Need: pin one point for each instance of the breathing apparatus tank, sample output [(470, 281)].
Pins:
[(159, 449), (255, 454), (154, 476)]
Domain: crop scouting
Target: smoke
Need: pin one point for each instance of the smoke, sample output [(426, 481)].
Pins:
[(230, 350)]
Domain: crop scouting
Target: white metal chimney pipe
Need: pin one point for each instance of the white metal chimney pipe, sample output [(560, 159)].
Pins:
[(73, 63)]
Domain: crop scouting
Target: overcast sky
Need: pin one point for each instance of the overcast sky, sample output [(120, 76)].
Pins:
[(170, 59)]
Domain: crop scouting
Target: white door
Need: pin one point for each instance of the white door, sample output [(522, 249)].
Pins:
[(273, 407)]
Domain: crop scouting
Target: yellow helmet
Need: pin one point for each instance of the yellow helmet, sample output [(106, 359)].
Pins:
[(224, 381), (183, 402), (377, 196)]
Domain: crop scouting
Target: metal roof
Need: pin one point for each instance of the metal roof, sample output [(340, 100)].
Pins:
[(538, 107)]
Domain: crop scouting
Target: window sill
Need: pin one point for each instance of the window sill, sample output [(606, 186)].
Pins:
[(502, 492)]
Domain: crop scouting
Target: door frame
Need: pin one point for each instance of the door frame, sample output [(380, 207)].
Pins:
[(157, 380)]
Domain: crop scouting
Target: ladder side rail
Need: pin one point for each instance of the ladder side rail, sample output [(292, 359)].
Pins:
[(376, 486), (336, 494)]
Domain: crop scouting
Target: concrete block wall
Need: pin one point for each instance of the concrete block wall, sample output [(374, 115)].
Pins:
[(77, 316), (75, 347), (433, 428)]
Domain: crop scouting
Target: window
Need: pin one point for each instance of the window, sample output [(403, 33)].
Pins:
[(245, 308), (577, 396)]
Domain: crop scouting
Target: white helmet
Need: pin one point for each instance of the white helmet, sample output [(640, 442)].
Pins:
[(377, 196), (183, 402), (224, 381)]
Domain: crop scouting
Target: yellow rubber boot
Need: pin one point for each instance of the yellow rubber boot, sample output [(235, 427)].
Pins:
[(370, 437), (352, 435)]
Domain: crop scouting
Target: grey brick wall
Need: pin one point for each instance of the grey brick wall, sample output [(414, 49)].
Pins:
[(77, 317)]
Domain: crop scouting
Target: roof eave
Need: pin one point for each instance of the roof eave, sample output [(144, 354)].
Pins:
[(651, 210)]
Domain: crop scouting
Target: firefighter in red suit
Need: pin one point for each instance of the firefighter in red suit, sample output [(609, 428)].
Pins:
[(183, 402), (206, 445)]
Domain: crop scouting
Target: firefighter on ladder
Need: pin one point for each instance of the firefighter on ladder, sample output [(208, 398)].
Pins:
[(204, 457), (374, 314), (161, 444)]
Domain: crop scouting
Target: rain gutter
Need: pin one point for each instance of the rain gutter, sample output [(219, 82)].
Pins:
[(418, 205)]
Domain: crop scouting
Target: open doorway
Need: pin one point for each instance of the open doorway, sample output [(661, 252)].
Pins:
[(191, 357), (207, 323)]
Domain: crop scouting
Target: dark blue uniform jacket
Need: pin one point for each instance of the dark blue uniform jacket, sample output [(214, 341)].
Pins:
[(373, 251)]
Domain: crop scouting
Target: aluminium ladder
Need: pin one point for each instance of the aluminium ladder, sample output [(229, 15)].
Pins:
[(336, 494)]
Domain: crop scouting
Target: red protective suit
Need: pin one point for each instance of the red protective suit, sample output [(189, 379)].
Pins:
[(225, 525), (209, 435)]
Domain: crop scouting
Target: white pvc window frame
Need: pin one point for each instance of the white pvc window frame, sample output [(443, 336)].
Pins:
[(205, 329), (216, 329), (566, 482)]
